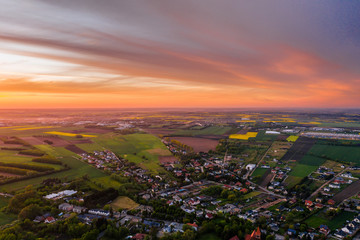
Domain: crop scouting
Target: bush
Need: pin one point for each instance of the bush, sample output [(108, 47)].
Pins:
[(22, 166), (30, 212), (16, 171), (47, 159), (32, 152), (12, 148)]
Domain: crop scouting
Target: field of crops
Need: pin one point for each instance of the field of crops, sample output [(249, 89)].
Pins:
[(78, 169), (33, 128), (302, 170), (251, 195), (259, 172), (213, 130), (262, 136), (106, 182), (292, 138), (336, 222), (291, 181), (299, 149), (123, 203), (337, 153), (243, 136), (143, 149), (312, 161), (70, 134)]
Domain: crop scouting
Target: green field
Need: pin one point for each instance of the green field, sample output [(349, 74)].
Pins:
[(123, 203), (7, 156), (261, 136), (106, 182), (312, 161), (302, 170), (338, 221), (291, 181), (90, 147), (250, 195), (213, 130), (143, 149), (337, 153), (78, 169), (259, 172)]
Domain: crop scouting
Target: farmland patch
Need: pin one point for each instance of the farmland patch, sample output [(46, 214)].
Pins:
[(198, 144), (243, 136), (312, 160), (123, 202), (337, 153), (301, 170), (299, 149)]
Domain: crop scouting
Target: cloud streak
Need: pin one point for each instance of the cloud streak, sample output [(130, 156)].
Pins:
[(226, 53)]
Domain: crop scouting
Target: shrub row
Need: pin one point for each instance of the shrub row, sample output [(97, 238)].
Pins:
[(27, 166), (17, 171), (32, 152), (13, 148), (47, 159)]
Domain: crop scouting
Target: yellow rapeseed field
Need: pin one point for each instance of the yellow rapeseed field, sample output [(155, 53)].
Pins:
[(309, 123), (32, 128), (69, 134), (243, 136), (246, 121), (292, 138)]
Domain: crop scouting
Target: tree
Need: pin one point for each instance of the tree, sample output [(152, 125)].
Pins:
[(189, 235), (91, 235), (30, 212), (269, 237)]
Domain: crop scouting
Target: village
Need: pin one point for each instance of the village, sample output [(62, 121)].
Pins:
[(209, 187)]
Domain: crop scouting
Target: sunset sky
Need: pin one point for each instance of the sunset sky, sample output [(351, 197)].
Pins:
[(161, 53)]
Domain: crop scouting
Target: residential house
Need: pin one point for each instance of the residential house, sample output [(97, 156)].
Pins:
[(50, 220), (334, 185), (209, 216), (291, 232), (39, 219), (193, 225), (255, 235), (324, 229), (139, 236), (78, 209), (308, 203), (66, 207)]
